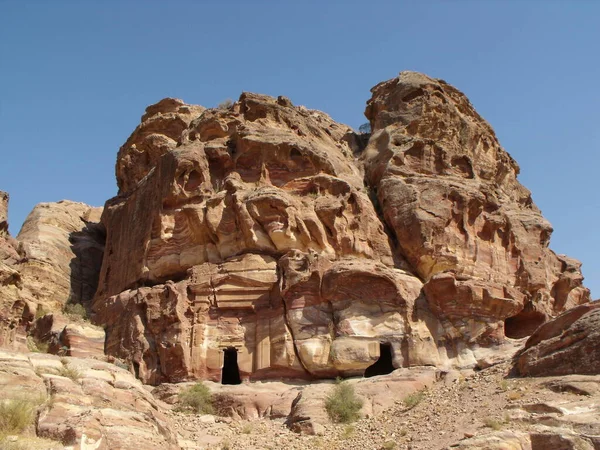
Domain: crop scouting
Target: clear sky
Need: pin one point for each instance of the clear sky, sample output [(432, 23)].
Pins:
[(75, 77)]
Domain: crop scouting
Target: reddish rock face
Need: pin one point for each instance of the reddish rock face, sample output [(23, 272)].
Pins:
[(8, 246), (103, 407), (158, 133), (224, 244), (62, 245), (246, 234), (11, 304), (467, 227), (566, 345)]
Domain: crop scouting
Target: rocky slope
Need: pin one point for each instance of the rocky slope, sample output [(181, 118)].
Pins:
[(85, 403), (96, 405), (470, 410)]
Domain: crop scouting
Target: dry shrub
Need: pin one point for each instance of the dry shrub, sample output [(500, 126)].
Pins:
[(343, 405), (67, 371), (412, 400), (197, 399), (36, 346), (17, 414), (75, 311)]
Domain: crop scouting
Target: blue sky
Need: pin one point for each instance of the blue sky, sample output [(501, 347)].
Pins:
[(75, 77)]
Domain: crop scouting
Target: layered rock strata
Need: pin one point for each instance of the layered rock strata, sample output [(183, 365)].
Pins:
[(248, 225), (62, 245), (569, 344), (263, 234), (468, 228), (10, 279), (86, 403), (55, 260)]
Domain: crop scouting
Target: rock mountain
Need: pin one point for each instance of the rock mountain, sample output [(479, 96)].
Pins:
[(263, 240)]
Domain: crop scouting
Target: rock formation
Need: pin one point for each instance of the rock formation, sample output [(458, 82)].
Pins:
[(3, 213), (10, 278), (468, 228), (55, 260), (246, 225), (569, 344), (263, 240), (265, 234), (62, 246), (93, 404)]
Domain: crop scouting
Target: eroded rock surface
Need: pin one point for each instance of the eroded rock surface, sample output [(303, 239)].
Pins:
[(467, 227), (55, 260), (62, 246), (249, 225), (86, 403), (569, 344), (3, 213), (161, 126), (250, 232)]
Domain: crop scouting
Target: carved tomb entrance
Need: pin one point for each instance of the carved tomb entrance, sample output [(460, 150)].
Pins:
[(383, 365), (231, 372)]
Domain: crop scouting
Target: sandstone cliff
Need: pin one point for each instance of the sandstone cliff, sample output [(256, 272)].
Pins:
[(55, 260), (266, 229), (468, 228)]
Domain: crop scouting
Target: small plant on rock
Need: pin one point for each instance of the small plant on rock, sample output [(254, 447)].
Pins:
[(348, 432), (36, 346), (17, 414), (343, 405), (197, 399), (514, 395), (75, 311), (493, 424), (225, 104), (40, 312), (412, 400), (68, 371)]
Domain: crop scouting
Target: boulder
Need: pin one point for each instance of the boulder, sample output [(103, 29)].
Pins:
[(569, 344)]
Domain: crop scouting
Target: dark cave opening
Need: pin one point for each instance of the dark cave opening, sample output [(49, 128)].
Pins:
[(231, 372), (523, 324), (383, 365)]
